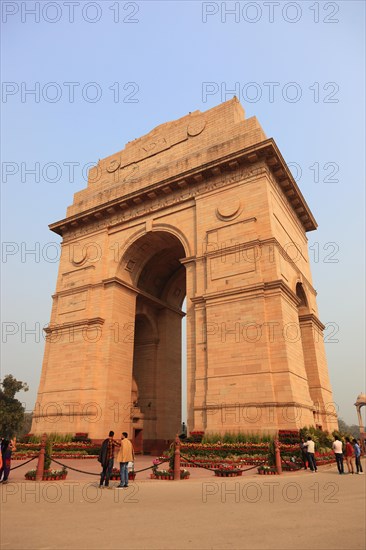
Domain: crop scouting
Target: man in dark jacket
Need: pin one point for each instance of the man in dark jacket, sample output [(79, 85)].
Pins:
[(106, 458)]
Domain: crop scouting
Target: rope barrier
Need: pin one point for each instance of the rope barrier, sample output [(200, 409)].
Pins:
[(24, 463)]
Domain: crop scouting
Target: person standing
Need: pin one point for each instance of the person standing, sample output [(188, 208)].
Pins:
[(7, 447), (125, 455), (106, 458), (349, 456), (304, 454), (338, 452), (357, 451), (310, 449)]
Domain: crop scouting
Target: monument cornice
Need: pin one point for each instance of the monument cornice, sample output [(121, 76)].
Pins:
[(74, 324), (266, 151), (312, 319), (238, 405), (261, 287)]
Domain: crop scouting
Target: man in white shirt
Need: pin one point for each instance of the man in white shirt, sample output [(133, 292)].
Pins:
[(338, 452), (310, 448)]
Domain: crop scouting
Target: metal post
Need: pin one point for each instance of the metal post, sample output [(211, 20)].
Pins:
[(40, 464), (278, 456), (177, 458)]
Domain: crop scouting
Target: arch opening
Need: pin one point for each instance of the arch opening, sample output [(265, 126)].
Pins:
[(159, 279), (300, 293)]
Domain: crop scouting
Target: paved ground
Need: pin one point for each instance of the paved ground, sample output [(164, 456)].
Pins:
[(301, 511)]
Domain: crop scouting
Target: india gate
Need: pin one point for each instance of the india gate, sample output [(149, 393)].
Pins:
[(202, 209)]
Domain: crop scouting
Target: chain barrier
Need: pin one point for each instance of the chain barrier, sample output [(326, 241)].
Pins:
[(151, 467), (24, 463), (94, 474), (70, 467), (142, 469)]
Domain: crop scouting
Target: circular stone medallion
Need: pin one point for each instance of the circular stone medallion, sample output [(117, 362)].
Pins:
[(229, 209), (113, 165), (196, 126)]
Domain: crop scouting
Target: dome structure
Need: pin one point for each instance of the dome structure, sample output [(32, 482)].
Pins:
[(361, 399)]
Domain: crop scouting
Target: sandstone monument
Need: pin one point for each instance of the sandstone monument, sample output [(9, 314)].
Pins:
[(203, 207)]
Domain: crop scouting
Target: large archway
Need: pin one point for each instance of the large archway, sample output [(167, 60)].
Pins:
[(155, 270), (203, 206)]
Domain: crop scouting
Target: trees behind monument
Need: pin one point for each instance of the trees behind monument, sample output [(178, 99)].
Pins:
[(11, 409)]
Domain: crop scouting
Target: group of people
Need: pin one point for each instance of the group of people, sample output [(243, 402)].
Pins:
[(125, 456), (7, 447), (351, 452)]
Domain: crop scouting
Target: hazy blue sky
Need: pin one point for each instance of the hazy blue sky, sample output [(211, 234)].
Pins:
[(297, 66)]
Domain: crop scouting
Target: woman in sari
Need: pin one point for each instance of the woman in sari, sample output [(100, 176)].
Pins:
[(7, 447)]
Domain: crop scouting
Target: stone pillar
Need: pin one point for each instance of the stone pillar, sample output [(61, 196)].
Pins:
[(317, 372)]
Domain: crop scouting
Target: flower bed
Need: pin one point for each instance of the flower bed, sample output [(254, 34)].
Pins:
[(73, 455), (23, 456), (324, 458), (267, 470), (48, 475), (59, 450), (116, 476), (168, 474), (56, 455), (237, 448), (227, 455), (294, 462), (227, 470), (236, 455), (239, 463)]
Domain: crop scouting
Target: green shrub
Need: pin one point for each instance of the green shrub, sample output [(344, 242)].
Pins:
[(48, 453), (271, 454), (81, 438), (212, 438), (239, 437), (53, 436), (34, 439), (60, 438), (322, 439)]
